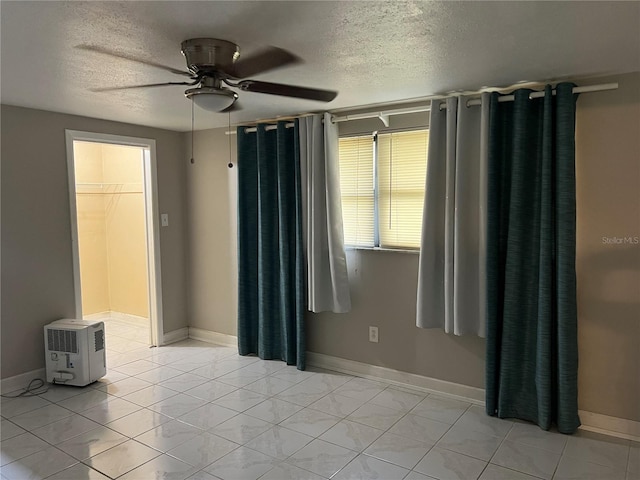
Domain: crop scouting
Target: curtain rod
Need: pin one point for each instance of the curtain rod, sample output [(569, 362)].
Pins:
[(385, 114), (588, 89), (255, 129)]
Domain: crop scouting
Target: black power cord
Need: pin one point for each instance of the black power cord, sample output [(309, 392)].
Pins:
[(36, 387)]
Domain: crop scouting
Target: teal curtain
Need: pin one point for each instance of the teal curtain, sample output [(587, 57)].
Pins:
[(532, 352), (271, 280)]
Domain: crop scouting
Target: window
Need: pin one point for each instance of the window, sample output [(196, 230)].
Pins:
[(357, 188), (382, 178)]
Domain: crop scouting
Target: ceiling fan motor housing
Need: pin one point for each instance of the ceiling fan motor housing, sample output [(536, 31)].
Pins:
[(209, 54)]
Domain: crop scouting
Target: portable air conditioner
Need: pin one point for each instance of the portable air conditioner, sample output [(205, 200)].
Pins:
[(74, 352)]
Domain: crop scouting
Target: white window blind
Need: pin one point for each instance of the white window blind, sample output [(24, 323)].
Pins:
[(402, 170), (357, 187)]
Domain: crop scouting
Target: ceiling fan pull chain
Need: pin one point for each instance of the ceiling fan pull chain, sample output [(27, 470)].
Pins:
[(230, 164), (192, 160)]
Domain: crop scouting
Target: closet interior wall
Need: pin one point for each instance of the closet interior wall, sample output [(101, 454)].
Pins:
[(111, 229)]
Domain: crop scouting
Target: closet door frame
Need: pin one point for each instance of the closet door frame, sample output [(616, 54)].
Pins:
[(152, 219)]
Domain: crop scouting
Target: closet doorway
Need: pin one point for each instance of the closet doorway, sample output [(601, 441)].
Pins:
[(115, 237)]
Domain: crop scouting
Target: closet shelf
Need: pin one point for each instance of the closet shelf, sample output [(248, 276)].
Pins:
[(84, 184), (83, 188), (108, 193)]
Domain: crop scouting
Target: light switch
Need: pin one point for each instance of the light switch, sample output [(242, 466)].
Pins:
[(164, 219)]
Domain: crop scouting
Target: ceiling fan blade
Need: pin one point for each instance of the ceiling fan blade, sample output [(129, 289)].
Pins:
[(131, 87), (287, 90), (267, 59), (112, 53)]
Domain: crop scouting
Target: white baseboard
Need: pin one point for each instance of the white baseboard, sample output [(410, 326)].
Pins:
[(97, 316), (397, 377), (175, 336), (118, 316), (213, 337), (129, 318), (618, 427), (594, 422), (21, 381)]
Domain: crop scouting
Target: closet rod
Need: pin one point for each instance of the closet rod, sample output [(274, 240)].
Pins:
[(108, 193)]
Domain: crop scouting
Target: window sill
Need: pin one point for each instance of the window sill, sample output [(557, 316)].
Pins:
[(381, 249)]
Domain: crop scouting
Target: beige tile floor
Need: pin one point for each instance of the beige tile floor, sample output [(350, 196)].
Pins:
[(199, 411)]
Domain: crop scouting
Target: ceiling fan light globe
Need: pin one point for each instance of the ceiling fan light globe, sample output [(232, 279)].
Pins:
[(211, 99)]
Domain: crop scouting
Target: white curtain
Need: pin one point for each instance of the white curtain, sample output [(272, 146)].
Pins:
[(327, 281), (452, 270)]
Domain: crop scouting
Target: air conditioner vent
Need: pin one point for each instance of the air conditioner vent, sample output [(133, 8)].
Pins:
[(99, 340), (62, 341)]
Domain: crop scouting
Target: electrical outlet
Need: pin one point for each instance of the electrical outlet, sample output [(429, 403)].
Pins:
[(373, 334)]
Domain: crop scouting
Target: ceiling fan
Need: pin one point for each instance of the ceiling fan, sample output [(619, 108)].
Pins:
[(214, 63)]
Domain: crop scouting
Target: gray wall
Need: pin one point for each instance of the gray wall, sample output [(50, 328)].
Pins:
[(37, 271), (608, 193), (383, 293), (384, 283), (37, 281), (608, 205), (213, 271)]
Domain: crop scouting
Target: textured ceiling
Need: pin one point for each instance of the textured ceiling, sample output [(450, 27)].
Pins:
[(370, 51)]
